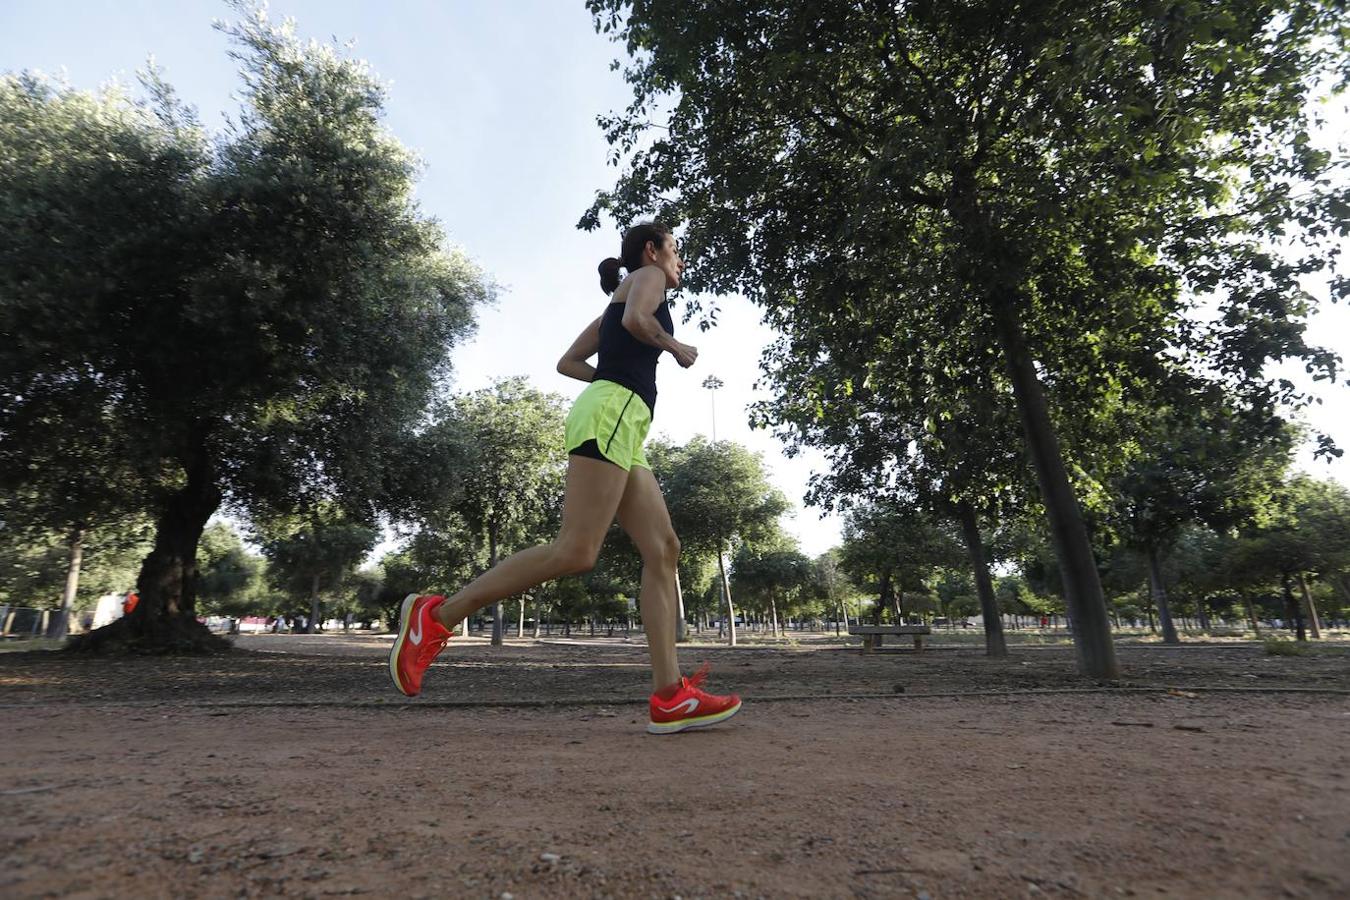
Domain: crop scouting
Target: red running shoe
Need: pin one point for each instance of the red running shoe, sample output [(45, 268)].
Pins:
[(420, 638), (691, 707)]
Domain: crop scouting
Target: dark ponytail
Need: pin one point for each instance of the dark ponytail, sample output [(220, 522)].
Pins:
[(634, 242), (609, 275)]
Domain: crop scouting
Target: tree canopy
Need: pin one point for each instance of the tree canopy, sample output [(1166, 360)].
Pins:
[(258, 316)]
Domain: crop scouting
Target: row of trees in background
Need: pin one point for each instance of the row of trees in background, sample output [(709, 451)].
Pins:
[(1028, 269), (1003, 245)]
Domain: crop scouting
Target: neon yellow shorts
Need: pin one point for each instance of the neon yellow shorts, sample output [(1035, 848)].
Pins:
[(609, 422)]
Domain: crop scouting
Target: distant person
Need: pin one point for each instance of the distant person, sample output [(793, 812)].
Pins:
[(607, 474)]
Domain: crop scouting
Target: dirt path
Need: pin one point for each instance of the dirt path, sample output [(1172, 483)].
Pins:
[(147, 793)]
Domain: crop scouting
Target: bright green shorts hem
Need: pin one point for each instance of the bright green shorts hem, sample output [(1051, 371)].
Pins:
[(615, 419)]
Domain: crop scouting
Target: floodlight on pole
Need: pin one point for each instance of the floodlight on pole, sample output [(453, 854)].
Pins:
[(712, 383)]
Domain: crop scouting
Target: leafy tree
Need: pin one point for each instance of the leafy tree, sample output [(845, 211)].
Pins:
[(315, 554), (774, 573), (832, 586), (719, 497), (1201, 462), (1032, 195), (893, 548), (35, 563), (264, 311), (1305, 530), (487, 474), (231, 579)]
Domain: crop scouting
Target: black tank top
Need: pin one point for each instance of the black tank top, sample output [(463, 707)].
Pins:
[(624, 359)]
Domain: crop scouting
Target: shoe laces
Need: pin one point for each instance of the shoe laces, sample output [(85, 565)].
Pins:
[(432, 648), (693, 681)]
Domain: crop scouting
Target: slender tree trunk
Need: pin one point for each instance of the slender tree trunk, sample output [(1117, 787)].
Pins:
[(538, 616), (994, 643), (1310, 608), (726, 594), (520, 622), (1159, 594), (681, 626), (1078, 568), (773, 610), (60, 624), (1291, 608), (313, 624), (1203, 614), (498, 628), (1252, 614)]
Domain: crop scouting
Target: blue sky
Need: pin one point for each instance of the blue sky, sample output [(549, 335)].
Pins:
[(500, 100)]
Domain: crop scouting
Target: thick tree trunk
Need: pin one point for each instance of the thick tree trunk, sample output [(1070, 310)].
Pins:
[(1078, 568), (994, 643), (726, 595), (497, 627), (165, 619), (1291, 608), (1159, 593), (60, 624), (1310, 608), (313, 624)]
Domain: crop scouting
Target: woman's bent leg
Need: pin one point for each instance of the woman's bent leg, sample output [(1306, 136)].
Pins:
[(644, 516), (594, 489)]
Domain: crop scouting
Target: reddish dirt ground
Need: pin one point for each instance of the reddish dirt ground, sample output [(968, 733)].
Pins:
[(291, 770)]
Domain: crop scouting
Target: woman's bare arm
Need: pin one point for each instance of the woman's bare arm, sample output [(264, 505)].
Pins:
[(573, 363), (639, 315)]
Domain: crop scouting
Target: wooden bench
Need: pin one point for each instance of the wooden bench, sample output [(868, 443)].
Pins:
[(872, 634)]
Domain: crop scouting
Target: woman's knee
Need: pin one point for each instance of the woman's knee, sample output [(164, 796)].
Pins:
[(666, 551), (575, 558)]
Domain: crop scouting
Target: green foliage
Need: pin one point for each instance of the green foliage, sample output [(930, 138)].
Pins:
[(232, 580), (487, 473), (718, 494), (1284, 647), (255, 315), (314, 555), (958, 209), (33, 562)]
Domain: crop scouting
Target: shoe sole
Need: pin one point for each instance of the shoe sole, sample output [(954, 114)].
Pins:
[(403, 623), (686, 724)]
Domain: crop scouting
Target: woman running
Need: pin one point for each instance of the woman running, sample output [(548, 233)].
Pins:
[(607, 473)]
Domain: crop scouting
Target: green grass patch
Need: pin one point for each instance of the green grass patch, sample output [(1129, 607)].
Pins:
[(1285, 647)]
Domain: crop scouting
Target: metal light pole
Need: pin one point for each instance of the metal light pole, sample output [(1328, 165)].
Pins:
[(712, 383)]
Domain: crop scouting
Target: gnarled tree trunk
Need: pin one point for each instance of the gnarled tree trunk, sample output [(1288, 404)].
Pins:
[(165, 619)]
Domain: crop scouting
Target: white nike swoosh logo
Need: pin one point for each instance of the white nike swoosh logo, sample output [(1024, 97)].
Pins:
[(415, 632), (691, 703)]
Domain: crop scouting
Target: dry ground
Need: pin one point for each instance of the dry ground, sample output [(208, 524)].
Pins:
[(291, 769)]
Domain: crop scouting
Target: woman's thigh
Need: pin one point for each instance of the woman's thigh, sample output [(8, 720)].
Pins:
[(594, 489), (644, 516)]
